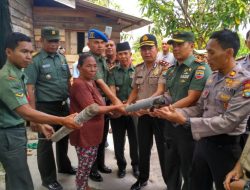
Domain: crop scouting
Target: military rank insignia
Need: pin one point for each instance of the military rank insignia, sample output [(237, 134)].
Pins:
[(11, 78), (91, 35), (232, 73), (145, 38), (246, 89), (20, 95)]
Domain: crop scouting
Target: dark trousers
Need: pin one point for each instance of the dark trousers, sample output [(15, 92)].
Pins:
[(244, 137), (119, 127), (179, 155), (213, 158), (100, 159), (13, 157), (147, 127), (45, 156)]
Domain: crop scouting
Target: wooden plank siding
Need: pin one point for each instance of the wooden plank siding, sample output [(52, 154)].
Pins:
[(70, 21), (29, 19), (21, 16)]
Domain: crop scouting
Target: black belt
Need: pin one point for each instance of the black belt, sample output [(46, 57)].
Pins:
[(62, 103), (13, 127), (224, 139)]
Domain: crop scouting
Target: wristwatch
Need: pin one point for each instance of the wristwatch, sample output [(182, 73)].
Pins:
[(247, 186)]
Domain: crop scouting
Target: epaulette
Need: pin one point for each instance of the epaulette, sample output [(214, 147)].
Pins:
[(112, 67), (139, 64), (35, 53), (240, 58)]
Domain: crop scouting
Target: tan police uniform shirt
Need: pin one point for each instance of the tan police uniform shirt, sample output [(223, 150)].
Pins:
[(223, 105), (147, 80)]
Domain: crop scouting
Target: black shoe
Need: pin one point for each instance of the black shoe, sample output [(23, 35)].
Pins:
[(136, 172), (53, 186), (105, 170), (95, 176), (138, 185), (121, 173), (71, 171)]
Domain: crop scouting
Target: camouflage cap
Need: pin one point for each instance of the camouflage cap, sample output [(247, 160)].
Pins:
[(50, 33), (181, 37)]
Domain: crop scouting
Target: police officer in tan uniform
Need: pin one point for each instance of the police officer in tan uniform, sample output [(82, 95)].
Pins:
[(218, 119), (148, 81)]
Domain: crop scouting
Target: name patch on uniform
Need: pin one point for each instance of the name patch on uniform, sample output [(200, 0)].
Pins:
[(184, 76), (199, 74), (46, 65)]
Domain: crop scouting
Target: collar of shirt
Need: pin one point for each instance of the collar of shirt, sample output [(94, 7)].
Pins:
[(188, 61), (98, 57), (44, 54), (246, 60), (233, 72), (15, 72), (122, 68), (154, 66)]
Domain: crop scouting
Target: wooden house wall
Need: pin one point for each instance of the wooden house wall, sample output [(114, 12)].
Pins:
[(22, 16), (70, 21)]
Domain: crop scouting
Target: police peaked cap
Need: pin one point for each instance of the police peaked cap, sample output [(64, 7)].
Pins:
[(148, 40)]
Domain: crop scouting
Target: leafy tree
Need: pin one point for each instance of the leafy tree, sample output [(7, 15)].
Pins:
[(200, 16)]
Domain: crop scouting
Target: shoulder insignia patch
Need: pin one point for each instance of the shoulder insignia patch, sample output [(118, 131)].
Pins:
[(199, 74), (201, 68), (111, 67), (139, 64), (35, 53), (246, 89), (20, 95)]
